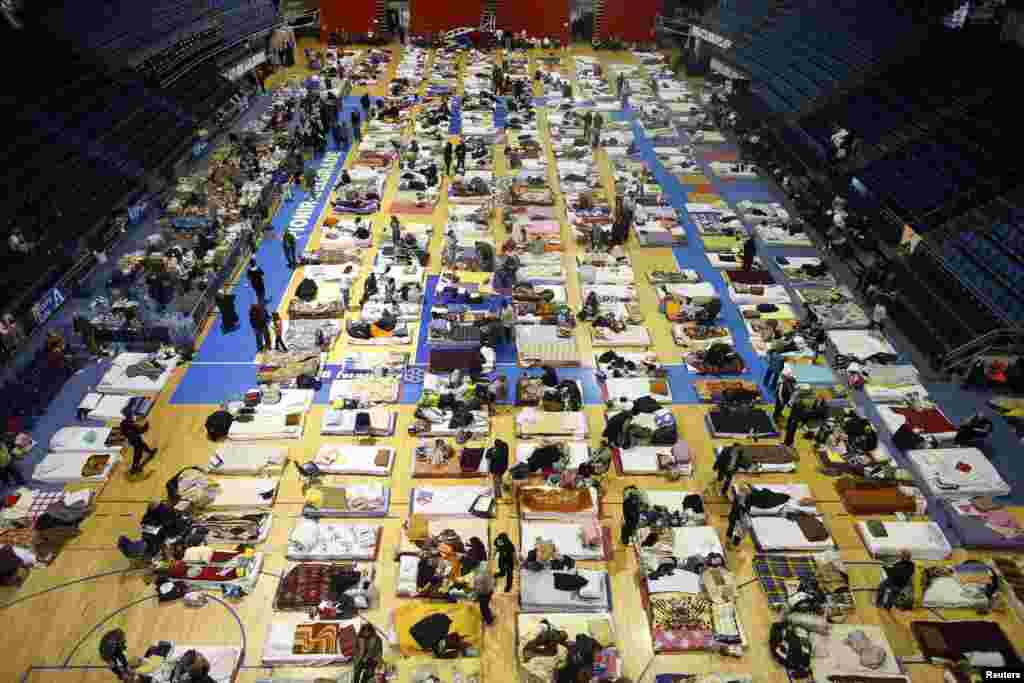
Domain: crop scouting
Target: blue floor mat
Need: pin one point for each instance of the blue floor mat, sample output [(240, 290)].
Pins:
[(455, 125), (500, 113), (214, 383), (239, 345)]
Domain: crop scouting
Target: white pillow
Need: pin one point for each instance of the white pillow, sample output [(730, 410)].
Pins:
[(305, 535), (985, 659)]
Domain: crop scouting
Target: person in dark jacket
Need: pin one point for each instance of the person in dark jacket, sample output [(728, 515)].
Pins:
[(784, 394), (776, 361), (898, 577), (630, 513), (357, 126), (506, 559), (288, 243), (475, 554), (255, 276), (798, 414), (260, 322), (364, 101), (133, 432), (448, 157), (749, 251), (460, 158), (497, 463)]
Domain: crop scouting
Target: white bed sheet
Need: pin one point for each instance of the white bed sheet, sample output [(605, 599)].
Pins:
[(66, 468), (343, 422), (782, 533), (266, 427), (116, 381), (937, 470), (82, 440), (323, 541), (567, 537), (240, 459), (537, 592), (278, 650), (796, 492), (239, 493), (353, 459), (446, 501), (859, 344), (924, 540)]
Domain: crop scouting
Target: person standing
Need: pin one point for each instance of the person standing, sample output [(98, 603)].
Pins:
[(279, 333), (288, 242), (133, 432), (357, 130), (364, 101), (776, 361), (396, 232), (749, 251), (800, 411), (785, 393), (587, 119), (260, 326), (506, 553), (256, 281), (596, 125), (448, 157), (497, 464), (460, 157), (483, 586)]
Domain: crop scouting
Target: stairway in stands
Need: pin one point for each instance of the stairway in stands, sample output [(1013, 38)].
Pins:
[(382, 15), (598, 19), (489, 15)]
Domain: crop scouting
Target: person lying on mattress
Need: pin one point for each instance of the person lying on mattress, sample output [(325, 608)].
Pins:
[(746, 499)]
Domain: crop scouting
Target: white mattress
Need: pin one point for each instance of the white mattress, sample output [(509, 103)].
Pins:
[(859, 344), (924, 540), (632, 388), (567, 537), (244, 492), (781, 533), (642, 459), (105, 407), (278, 650), (537, 592), (633, 335), (66, 468), (579, 452), (795, 491), (115, 381), (321, 541), (446, 501), (343, 422), (266, 427), (352, 459), (246, 583), (938, 473), (239, 459), (699, 291), (81, 440), (696, 540)]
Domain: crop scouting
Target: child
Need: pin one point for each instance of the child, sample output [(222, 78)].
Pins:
[(278, 333)]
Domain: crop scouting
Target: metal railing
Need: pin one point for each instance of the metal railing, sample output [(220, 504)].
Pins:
[(1007, 340)]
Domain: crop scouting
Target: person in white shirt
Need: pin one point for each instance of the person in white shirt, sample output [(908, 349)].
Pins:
[(878, 316), (17, 243)]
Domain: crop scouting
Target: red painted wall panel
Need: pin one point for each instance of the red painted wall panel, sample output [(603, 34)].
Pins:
[(435, 16), (538, 18), (630, 20), (354, 16)]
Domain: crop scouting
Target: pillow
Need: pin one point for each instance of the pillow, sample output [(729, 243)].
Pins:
[(305, 535)]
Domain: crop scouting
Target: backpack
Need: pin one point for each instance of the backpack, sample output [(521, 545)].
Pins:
[(306, 290), (218, 424)]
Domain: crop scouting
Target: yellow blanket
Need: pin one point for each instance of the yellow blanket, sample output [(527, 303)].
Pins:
[(465, 621)]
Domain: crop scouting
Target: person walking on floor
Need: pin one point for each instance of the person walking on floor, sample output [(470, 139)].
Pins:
[(448, 157), (260, 326), (749, 251), (497, 463), (364, 101), (787, 387), (278, 333), (799, 413), (483, 586), (506, 553), (776, 361), (396, 231), (256, 281), (133, 432), (357, 130), (878, 317), (596, 125), (587, 119), (309, 177), (460, 157), (288, 243)]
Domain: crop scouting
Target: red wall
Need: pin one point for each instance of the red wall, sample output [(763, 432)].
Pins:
[(436, 16), (630, 20), (538, 18), (354, 16)]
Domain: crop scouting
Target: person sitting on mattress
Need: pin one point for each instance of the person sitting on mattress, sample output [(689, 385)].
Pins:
[(747, 498), (898, 578)]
